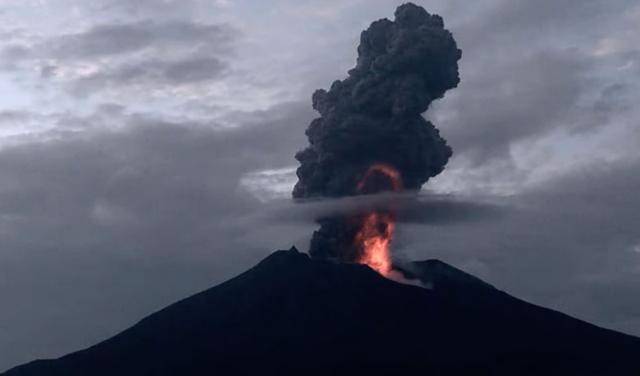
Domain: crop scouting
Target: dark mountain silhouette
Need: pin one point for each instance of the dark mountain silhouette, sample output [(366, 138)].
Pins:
[(294, 315)]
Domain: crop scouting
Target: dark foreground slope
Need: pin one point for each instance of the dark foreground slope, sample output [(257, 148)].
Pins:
[(293, 315)]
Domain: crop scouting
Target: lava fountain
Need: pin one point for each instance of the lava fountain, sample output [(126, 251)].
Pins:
[(373, 240)]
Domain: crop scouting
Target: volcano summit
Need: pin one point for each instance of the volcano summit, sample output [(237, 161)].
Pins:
[(294, 315)]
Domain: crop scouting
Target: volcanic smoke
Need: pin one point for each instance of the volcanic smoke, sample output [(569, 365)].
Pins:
[(371, 136)]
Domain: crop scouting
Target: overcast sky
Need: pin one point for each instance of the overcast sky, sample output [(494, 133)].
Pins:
[(146, 153)]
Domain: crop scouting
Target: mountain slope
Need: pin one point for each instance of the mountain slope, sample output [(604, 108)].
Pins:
[(290, 314)]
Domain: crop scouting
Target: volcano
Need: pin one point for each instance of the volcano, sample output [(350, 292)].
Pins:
[(291, 314)]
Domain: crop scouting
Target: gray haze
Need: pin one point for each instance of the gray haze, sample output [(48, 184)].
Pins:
[(146, 153)]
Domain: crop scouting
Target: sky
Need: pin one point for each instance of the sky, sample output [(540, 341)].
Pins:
[(146, 153)]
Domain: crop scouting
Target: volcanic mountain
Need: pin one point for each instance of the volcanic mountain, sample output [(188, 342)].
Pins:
[(291, 314)]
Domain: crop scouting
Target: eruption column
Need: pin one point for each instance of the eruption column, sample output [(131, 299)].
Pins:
[(371, 135)]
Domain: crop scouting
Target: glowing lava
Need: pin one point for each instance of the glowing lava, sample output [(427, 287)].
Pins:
[(373, 239)]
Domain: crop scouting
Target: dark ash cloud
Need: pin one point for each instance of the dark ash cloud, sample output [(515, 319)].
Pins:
[(373, 116)]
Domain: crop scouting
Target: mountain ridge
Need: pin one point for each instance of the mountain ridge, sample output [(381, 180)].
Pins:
[(291, 314)]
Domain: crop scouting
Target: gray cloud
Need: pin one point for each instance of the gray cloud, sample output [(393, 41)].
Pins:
[(165, 9), (11, 55), (117, 39), (535, 66), (432, 209), (560, 245), (14, 116), (150, 73), (90, 210), (147, 54), (533, 94)]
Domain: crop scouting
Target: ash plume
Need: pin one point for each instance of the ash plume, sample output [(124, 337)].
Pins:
[(374, 116)]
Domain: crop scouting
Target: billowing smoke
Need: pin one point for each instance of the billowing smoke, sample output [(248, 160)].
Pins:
[(374, 118)]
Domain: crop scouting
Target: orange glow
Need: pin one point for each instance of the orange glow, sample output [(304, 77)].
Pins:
[(373, 240), (384, 169)]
